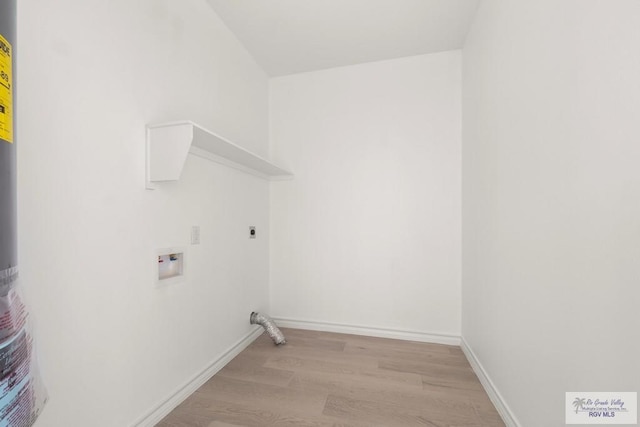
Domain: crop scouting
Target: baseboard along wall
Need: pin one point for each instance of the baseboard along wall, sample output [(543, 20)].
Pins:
[(498, 401), (163, 409), (399, 334)]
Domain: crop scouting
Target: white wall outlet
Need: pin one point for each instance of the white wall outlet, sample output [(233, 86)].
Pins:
[(195, 235), (252, 232)]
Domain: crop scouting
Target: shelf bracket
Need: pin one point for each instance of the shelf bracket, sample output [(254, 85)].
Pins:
[(167, 150)]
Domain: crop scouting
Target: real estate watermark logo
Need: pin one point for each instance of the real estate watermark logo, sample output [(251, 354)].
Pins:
[(582, 407)]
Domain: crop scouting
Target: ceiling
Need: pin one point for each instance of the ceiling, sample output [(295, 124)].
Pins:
[(293, 36)]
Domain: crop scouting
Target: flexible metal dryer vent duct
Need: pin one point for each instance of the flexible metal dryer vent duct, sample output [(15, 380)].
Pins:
[(269, 326)]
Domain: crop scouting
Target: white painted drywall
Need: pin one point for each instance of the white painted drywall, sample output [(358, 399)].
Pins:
[(368, 232), (92, 73), (551, 206)]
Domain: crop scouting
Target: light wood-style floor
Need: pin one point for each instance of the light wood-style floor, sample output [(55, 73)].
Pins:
[(326, 379)]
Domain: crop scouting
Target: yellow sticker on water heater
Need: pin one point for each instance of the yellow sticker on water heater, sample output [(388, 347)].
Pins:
[(6, 91)]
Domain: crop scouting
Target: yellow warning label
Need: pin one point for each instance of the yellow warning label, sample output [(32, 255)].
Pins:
[(6, 91)]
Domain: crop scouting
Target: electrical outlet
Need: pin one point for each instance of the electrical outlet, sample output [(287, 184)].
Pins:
[(195, 235), (252, 232)]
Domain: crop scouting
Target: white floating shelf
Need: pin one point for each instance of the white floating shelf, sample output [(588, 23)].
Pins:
[(169, 144)]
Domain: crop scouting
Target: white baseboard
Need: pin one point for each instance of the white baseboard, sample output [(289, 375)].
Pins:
[(169, 404), (398, 334), (494, 395)]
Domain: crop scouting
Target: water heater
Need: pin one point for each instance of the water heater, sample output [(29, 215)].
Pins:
[(22, 395), (8, 234)]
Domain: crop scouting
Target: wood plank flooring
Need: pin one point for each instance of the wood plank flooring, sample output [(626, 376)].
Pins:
[(324, 379)]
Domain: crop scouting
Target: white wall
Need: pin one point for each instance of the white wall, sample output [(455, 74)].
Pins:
[(551, 260), (368, 232), (92, 73)]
